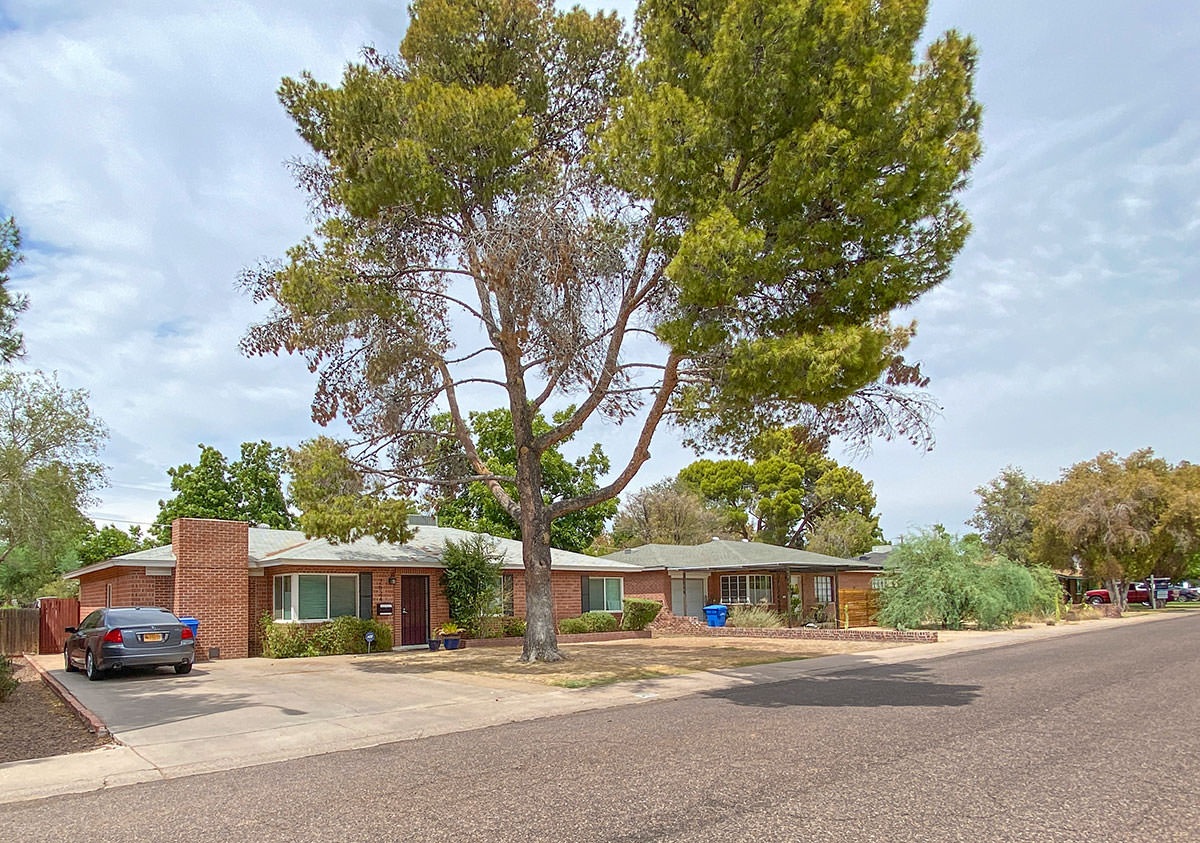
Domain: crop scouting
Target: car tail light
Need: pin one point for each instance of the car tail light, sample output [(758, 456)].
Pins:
[(114, 637), (187, 633)]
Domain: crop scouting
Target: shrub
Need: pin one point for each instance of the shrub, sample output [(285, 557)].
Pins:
[(588, 622), (341, 636), (754, 617), (471, 578), (8, 682), (941, 579), (1005, 589), (514, 627), (638, 613), (572, 626)]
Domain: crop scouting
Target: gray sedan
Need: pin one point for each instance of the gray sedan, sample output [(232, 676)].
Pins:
[(110, 639)]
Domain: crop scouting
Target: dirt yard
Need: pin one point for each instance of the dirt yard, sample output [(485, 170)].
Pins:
[(34, 723), (617, 661)]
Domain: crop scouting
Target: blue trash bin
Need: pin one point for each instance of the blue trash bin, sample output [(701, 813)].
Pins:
[(191, 623), (716, 614)]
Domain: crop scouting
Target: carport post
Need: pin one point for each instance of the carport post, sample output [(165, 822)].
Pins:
[(787, 593)]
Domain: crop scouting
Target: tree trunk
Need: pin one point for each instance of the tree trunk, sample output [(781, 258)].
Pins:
[(541, 639), (1116, 594)]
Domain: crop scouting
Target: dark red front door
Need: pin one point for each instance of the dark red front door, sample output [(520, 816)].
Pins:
[(414, 609)]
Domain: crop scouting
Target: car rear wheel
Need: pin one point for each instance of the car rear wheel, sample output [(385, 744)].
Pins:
[(1096, 601), (89, 667), (70, 668), (183, 668)]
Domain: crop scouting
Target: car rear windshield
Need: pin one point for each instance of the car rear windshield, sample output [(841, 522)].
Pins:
[(136, 617)]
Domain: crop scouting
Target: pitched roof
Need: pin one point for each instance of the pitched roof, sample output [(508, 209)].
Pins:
[(269, 547), (734, 554)]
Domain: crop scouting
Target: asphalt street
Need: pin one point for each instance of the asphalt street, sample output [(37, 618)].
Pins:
[(1085, 737)]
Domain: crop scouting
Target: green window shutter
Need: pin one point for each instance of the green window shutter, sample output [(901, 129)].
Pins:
[(314, 597), (585, 603), (365, 604)]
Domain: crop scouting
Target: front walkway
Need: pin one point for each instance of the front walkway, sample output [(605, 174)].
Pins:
[(226, 715)]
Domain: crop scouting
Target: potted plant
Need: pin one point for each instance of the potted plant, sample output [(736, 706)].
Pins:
[(451, 634)]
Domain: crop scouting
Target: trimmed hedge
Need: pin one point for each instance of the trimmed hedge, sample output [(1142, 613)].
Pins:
[(341, 636), (637, 613), (588, 622), (500, 627)]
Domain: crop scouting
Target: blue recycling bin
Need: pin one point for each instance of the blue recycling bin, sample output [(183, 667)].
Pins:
[(716, 614), (191, 623)]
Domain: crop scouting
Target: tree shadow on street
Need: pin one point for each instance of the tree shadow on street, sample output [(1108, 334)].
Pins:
[(882, 685)]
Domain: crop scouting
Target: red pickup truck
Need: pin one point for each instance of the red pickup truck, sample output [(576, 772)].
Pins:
[(1136, 593)]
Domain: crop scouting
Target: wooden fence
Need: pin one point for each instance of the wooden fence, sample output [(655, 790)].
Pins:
[(18, 631), (860, 605)]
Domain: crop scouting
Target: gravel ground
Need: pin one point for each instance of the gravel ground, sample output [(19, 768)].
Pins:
[(34, 723)]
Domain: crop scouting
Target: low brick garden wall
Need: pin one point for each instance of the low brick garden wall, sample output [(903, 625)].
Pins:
[(581, 638), (676, 625)]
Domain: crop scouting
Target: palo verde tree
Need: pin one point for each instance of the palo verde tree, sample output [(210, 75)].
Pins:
[(710, 219)]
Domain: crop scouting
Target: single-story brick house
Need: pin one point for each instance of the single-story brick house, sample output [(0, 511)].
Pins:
[(733, 572), (229, 574)]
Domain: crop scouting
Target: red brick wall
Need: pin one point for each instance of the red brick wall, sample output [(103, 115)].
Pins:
[(211, 582), (566, 587), (130, 587), (258, 602)]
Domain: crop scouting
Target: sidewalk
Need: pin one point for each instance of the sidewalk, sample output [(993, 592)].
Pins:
[(224, 721)]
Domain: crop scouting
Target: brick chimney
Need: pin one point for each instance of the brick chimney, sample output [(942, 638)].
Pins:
[(212, 582)]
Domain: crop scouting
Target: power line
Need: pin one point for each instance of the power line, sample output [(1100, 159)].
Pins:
[(121, 521)]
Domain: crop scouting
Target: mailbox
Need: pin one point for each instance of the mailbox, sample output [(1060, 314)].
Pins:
[(384, 609)]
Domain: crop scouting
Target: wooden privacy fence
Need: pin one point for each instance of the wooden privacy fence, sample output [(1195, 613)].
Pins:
[(18, 631), (859, 605)]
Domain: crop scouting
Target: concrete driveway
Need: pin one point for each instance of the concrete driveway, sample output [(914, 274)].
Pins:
[(253, 711)]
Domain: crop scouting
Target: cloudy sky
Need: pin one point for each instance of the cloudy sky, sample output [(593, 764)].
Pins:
[(142, 152)]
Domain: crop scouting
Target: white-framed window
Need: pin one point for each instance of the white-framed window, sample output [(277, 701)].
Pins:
[(603, 594), (823, 589), (878, 583), (314, 597), (745, 588)]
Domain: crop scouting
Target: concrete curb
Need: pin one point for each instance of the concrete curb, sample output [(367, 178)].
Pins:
[(85, 714)]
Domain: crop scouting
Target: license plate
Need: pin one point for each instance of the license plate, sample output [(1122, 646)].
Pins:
[(153, 636)]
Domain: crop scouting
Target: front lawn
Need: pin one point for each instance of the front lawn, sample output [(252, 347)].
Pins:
[(601, 663)]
